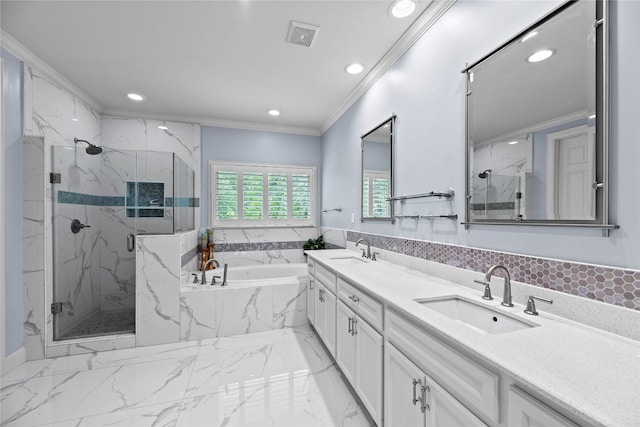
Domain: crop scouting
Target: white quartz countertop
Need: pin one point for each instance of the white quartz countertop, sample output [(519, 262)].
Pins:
[(591, 373)]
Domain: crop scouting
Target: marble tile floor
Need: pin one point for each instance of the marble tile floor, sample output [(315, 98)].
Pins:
[(276, 378)]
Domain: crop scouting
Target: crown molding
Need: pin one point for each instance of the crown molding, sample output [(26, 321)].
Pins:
[(211, 121), (29, 58), (428, 17)]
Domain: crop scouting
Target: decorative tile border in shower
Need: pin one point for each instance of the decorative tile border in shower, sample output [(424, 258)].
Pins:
[(607, 284), (70, 197)]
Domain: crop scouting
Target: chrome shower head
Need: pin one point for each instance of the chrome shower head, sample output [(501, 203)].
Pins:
[(91, 149)]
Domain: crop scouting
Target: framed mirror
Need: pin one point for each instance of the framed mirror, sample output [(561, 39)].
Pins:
[(377, 172), (537, 149)]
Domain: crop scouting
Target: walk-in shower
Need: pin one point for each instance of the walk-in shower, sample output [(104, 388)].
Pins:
[(100, 203)]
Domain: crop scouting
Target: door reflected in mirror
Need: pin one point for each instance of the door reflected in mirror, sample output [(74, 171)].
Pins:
[(377, 172), (536, 140)]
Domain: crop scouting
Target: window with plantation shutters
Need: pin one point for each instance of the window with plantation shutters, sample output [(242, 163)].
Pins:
[(376, 189), (244, 195)]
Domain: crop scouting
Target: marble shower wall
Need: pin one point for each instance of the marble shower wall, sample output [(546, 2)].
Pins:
[(53, 117), (252, 246)]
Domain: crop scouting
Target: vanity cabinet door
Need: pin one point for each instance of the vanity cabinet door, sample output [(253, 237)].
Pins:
[(345, 345), (325, 316), (318, 317), (368, 366), (311, 300), (412, 398), (402, 406), (526, 411), (329, 307)]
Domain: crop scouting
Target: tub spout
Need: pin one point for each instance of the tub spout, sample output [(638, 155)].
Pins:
[(224, 276)]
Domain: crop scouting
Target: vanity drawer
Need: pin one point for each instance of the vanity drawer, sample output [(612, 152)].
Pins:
[(325, 276), (361, 303), (472, 384)]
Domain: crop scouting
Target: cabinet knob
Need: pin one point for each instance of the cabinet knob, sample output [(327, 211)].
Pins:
[(354, 298)]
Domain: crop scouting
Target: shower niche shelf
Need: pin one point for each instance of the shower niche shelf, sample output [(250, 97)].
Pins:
[(145, 199)]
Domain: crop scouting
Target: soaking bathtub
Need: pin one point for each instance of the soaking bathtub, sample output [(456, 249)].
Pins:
[(257, 298)]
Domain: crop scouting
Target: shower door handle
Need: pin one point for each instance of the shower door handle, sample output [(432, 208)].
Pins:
[(131, 240)]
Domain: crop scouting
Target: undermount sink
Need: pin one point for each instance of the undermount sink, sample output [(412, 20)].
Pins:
[(476, 315), (349, 259)]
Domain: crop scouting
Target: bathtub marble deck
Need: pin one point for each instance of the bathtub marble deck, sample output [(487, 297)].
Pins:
[(276, 378)]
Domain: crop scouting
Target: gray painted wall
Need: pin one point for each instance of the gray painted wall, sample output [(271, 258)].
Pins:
[(12, 92), (237, 145), (427, 92)]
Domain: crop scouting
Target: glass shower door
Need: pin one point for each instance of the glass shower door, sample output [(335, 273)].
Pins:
[(93, 242)]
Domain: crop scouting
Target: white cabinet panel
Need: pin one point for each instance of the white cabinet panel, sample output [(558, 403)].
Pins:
[(526, 411), (329, 307), (368, 365), (412, 398), (401, 407), (346, 345), (311, 300), (469, 382)]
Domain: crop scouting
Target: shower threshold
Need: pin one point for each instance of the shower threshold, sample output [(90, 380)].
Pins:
[(102, 323)]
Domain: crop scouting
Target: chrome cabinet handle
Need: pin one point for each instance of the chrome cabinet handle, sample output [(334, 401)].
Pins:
[(354, 298), (353, 327), (424, 406), (415, 398), (310, 284), (350, 328), (131, 242)]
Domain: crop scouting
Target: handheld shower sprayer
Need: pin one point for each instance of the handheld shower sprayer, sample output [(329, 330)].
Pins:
[(92, 149)]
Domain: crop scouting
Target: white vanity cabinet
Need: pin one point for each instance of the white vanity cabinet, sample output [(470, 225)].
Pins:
[(311, 294), (359, 355), (325, 316), (470, 383), (412, 398), (527, 411)]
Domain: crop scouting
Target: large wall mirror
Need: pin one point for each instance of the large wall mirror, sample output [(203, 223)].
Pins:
[(537, 124), (377, 172)]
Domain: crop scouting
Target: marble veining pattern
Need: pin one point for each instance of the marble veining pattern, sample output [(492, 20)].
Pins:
[(282, 377)]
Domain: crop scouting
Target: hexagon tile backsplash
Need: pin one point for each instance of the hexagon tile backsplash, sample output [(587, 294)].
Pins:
[(608, 284)]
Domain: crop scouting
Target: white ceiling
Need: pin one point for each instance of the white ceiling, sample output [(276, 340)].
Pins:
[(216, 62)]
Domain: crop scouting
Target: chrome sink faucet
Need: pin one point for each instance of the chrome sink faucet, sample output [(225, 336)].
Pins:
[(368, 255), (506, 298), (203, 281)]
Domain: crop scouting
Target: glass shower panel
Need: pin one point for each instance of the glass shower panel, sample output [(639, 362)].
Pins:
[(150, 197), (94, 260), (183, 195)]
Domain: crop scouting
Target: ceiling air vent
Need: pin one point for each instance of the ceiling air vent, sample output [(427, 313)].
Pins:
[(302, 34)]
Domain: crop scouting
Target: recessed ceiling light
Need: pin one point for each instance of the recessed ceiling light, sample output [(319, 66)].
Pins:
[(273, 112), (162, 127), (541, 55), (75, 119), (354, 68), (528, 36), (402, 8), (135, 97), (513, 142)]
